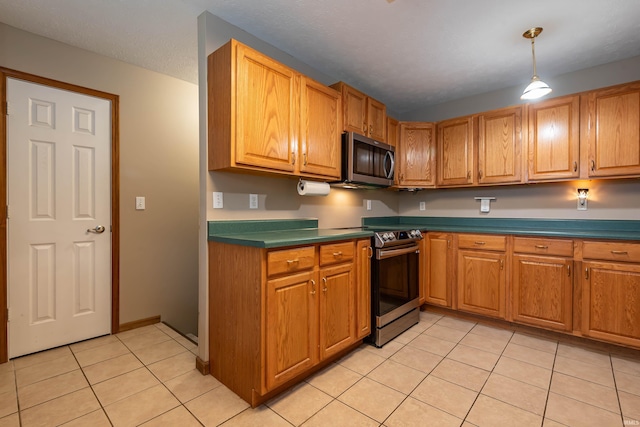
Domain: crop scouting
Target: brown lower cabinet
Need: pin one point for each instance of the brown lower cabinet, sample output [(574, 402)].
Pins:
[(611, 292), (276, 315), (482, 275), (580, 287), (542, 282)]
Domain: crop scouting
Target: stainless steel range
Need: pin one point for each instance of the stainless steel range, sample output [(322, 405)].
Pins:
[(395, 282)]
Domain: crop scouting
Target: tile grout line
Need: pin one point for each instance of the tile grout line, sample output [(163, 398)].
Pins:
[(615, 385)]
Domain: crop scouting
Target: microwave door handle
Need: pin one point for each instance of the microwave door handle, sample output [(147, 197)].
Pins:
[(388, 173)]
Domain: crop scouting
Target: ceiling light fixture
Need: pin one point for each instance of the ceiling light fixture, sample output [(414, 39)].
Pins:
[(537, 88)]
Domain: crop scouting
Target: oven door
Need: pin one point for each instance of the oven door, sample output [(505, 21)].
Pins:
[(396, 282)]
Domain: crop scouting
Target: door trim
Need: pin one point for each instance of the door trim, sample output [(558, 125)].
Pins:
[(115, 195)]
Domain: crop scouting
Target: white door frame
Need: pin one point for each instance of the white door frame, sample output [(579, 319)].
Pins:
[(115, 196)]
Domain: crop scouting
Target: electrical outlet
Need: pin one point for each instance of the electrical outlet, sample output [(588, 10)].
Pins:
[(217, 200), (368, 203), (140, 203), (423, 206), (253, 201)]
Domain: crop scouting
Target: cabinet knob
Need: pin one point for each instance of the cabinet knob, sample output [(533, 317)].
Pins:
[(324, 284), (293, 157), (304, 156), (568, 270), (586, 273), (575, 166), (593, 165), (468, 175), (313, 287)]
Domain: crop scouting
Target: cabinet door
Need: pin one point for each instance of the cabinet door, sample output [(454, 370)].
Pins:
[(393, 131), (354, 107), (438, 272), (542, 291), (610, 297), (500, 146), (363, 288), (291, 337), (455, 152), (337, 316), (481, 282), (266, 112), (320, 129), (376, 120), (611, 125), (415, 155), (554, 139)]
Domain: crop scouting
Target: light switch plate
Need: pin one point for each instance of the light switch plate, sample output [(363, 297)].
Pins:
[(140, 203)]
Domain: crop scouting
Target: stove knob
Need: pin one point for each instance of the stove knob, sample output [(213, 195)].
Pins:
[(417, 233), (388, 236)]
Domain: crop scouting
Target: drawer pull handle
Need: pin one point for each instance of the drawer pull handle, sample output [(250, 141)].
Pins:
[(370, 251), (542, 247), (501, 264), (293, 261), (620, 252), (575, 166), (337, 254), (480, 243), (313, 287)]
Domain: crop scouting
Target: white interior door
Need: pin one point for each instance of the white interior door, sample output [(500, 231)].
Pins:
[(59, 197)]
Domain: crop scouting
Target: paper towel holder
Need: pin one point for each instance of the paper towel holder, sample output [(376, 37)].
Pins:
[(312, 188), (485, 203)]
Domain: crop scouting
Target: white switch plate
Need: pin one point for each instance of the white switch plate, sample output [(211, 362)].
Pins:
[(217, 200), (140, 203), (368, 203), (253, 201), (423, 206)]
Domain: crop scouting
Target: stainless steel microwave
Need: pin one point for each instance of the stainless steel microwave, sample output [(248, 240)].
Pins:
[(365, 162)]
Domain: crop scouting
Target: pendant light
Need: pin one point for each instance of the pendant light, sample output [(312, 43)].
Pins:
[(537, 88)]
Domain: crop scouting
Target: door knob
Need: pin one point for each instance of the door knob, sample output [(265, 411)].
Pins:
[(99, 229)]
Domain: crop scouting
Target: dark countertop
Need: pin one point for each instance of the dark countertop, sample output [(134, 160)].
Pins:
[(595, 229), (280, 233)]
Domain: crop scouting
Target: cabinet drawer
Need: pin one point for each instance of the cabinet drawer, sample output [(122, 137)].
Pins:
[(542, 246), (336, 252), (614, 251), (482, 241), (290, 260)]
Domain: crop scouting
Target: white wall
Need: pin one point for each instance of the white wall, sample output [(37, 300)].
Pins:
[(158, 160)]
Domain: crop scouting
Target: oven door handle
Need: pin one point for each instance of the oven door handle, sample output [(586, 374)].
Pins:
[(388, 253)]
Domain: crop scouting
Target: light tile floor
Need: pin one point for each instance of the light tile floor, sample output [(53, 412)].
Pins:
[(445, 371)]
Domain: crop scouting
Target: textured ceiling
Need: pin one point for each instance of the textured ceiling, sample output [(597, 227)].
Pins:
[(407, 53)]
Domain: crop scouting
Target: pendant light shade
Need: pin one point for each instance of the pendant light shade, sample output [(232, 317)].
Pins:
[(537, 88)]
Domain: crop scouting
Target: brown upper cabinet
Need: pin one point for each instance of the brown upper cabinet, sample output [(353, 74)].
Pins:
[(500, 146), (554, 139), (362, 114), (415, 155), (265, 116), (393, 131), (481, 149), (610, 126), (455, 146)]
